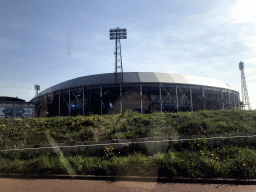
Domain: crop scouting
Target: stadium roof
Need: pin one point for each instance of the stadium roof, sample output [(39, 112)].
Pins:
[(136, 77), (6, 98)]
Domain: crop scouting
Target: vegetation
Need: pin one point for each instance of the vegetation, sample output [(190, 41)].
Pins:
[(130, 124), (197, 158)]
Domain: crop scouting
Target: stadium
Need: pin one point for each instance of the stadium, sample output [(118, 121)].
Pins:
[(145, 92)]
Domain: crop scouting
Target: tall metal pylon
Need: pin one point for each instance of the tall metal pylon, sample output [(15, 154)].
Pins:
[(244, 92), (118, 34)]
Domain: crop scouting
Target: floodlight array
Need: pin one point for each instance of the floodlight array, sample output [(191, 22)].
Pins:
[(118, 33), (37, 87), (241, 65)]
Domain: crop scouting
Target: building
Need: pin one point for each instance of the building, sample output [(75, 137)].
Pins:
[(142, 91), (11, 107)]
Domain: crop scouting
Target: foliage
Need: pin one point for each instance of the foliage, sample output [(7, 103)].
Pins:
[(196, 158), (222, 162), (127, 125)]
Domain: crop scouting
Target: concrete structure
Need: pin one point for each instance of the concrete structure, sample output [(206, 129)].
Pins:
[(142, 91)]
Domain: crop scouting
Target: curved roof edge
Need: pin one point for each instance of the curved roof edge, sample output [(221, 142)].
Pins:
[(136, 77)]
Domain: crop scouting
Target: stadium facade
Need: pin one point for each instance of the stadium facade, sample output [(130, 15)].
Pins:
[(11, 107), (142, 91)]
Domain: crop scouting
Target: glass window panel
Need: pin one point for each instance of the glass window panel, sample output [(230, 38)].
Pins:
[(146, 89), (9, 105), (133, 89)]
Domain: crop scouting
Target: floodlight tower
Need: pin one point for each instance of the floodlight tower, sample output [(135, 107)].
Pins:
[(37, 88), (244, 92), (118, 34)]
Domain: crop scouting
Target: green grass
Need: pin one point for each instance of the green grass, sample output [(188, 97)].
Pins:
[(127, 125), (193, 162), (193, 159)]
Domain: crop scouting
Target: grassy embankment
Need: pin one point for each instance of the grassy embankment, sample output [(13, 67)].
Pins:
[(199, 159)]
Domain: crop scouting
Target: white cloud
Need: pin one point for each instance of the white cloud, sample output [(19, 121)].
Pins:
[(252, 60), (202, 36), (250, 70), (244, 11), (211, 45), (252, 93)]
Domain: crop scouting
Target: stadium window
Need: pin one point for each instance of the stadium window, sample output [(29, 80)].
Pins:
[(146, 89)]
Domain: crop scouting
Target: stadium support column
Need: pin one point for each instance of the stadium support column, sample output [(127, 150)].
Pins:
[(234, 100), (83, 101), (69, 102), (191, 101), (100, 100), (141, 107), (217, 103), (229, 97), (203, 96), (89, 102), (13, 110), (121, 104), (222, 99), (59, 103), (34, 111), (160, 94), (177, 99)]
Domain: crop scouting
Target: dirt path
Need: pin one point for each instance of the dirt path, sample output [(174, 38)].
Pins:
[(55, 185)]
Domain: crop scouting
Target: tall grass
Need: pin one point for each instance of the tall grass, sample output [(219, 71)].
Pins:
[(129, 124), (195, 161)]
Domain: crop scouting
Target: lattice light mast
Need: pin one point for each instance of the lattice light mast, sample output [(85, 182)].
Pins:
[(37, 88), (244, 92), (118, 34)]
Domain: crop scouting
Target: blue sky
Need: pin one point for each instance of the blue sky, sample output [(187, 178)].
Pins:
[(199, 38)]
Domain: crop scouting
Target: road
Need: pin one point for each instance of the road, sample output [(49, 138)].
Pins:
[(55, 185)]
